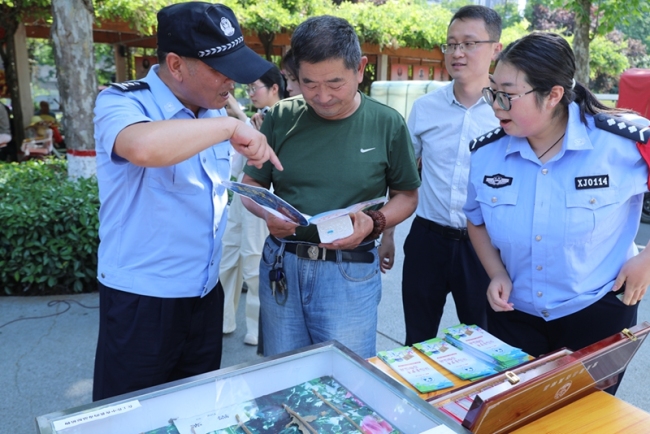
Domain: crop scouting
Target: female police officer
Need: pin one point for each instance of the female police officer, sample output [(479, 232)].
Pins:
[(554, 202)]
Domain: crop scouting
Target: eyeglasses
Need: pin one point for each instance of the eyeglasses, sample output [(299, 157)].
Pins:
[(465, 47), (503, 99), (252, 89)]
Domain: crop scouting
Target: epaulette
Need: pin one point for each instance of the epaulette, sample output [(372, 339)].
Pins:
[(130, 86), (483, 140), (623, 127)]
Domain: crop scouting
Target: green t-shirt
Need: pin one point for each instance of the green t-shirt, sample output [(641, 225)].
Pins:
[(334, 164)]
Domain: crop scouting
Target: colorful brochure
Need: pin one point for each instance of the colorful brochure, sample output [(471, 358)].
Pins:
[(460, 363), (414, 369), (483, 345), (331, 225)]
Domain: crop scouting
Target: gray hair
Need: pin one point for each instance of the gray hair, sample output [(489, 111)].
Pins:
[(323, 38)]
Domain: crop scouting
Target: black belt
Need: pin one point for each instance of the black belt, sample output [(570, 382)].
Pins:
[(310, 251), (446, 231)]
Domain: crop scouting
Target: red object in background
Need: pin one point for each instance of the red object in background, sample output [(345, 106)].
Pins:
[(634, 91), (4, 89)]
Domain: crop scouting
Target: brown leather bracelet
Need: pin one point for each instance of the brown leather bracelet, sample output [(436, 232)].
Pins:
[(379, 224)]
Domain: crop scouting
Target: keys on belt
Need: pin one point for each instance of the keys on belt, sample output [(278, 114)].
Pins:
[(279, 288)]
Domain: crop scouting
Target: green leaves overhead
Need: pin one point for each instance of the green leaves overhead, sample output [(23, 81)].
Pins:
[(397, 23)]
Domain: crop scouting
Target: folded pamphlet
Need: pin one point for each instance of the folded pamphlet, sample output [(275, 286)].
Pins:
[(483, 345), (414, 369), (331, 225), (461, 363)]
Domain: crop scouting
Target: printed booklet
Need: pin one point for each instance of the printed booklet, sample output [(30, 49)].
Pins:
[(331, 225), (414, 369), (483, 345), (460, 363)]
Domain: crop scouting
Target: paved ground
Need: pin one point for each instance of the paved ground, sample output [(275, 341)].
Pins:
[(46, 362)]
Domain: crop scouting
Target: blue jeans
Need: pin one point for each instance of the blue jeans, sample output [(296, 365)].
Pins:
[(324, 300)]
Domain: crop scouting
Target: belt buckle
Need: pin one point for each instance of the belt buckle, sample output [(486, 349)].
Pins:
[(312, 252), (450, 233)]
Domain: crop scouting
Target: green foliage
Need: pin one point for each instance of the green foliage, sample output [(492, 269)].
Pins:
[(140, 15), (50, 224), (454, 5), (512, 33), (606, 64), (397, 23), (606, 57), (104, 63), (509, 12), (638, 27), (603, 15)]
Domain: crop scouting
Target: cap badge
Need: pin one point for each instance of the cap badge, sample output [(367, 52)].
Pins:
[(226, 27)]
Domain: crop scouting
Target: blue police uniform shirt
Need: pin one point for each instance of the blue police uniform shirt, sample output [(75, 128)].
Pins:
[(160, 228), (564, 228)]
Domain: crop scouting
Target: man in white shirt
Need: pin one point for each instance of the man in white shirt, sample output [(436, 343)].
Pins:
[(439, 257)]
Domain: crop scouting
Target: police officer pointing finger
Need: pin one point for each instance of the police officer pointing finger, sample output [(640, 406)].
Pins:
[(163, 146)]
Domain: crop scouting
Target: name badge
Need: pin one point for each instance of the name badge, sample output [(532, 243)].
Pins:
[(497, 181), (597, 181)]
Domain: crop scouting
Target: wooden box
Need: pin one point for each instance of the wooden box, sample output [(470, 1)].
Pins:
[(506, 401)]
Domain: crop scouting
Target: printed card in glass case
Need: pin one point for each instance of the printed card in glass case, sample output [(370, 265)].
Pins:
[(322, 389)]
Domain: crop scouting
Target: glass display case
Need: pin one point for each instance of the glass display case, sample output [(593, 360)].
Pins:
[(325, 388)]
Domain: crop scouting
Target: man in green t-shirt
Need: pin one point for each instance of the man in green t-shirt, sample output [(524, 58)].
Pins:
[(338, 147)]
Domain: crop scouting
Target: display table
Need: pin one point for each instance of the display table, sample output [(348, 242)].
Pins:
[(311, 387), (557, 393), (598, 412)]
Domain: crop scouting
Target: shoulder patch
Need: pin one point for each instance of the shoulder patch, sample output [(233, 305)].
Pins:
[(629, 129), (487, 138), (130, 86)]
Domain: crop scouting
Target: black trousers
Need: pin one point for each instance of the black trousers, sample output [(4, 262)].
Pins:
[(146, 341), (537, 336), (434, 266)]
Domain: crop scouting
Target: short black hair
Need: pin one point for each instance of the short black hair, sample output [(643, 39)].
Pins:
[(489, 16)]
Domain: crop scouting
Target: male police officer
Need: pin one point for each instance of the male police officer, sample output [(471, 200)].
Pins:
[(162, 150)]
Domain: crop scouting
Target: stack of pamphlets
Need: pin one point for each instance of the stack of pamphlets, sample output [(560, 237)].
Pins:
[(414, 369), (460, 363), (483, 345)]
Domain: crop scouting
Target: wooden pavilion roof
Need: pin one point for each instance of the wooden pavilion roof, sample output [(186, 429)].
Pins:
[(112, 32)]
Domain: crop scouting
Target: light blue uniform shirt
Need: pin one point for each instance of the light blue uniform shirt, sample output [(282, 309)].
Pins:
[(160, 228), (565, 228)]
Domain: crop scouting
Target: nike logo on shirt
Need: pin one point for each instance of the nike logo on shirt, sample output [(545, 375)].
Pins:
[(363, 151)]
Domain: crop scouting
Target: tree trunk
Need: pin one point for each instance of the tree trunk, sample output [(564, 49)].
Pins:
[(266, 38), (581, 42), (9, 24), (72, 34)]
